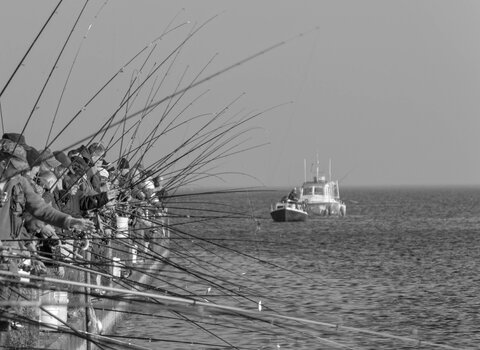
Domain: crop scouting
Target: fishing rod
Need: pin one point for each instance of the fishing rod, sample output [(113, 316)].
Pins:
[(258, 314), (235, 325), (1, 117), (54, 66), (152, 43), (20, 63), (229, 129), (71, 70), (198, 323), (202, 81), (208, 123), (190, 235), (71, 328), (109, 123), (152, 95), (127, 97), (204, 276), (144, 115), (169, 107)]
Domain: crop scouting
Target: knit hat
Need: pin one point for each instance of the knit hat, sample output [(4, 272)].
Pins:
[(96, 149), (17, 138), (73, 153), (84, 153), (33, 157), (123, 164), (46, 179), (47, 156), (79, 166), (108, 166), (15, 153), (62, 158)]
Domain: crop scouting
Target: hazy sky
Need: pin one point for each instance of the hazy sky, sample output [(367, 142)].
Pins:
[(389, 90)]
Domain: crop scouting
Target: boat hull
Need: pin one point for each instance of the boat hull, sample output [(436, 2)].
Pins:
[(326, 209), (287, 214)]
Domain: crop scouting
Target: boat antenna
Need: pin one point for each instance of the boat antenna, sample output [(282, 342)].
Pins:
[(330, 169), (304, 170)]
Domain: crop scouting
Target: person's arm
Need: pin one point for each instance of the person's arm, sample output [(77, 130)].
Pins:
[(97, 200), (93, 202), (36, 206)]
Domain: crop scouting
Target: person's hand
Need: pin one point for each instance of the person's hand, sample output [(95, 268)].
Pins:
[(48, 231), (112, 194), (38, 267), (81, 224), (73, 190)]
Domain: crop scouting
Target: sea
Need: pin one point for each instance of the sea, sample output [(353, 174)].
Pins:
[(399, 271)]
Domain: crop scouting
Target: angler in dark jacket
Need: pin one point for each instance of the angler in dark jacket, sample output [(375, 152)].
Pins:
[(82, 197), (18, 196)]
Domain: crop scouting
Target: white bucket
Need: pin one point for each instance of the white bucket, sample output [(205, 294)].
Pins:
[(116, 268), (26, 263), (134, 254), (122, 226), (56, 305)]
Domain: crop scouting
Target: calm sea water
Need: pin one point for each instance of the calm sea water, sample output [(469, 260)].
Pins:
[(403, 262)]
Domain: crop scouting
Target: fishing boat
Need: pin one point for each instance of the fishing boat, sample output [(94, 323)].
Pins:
[(321, 196), (288, 210)]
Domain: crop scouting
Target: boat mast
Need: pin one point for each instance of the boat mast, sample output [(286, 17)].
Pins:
[(304, 170), (330, 169)]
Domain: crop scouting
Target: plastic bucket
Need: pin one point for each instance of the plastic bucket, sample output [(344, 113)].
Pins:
[(27, 264), (116, 268), (122, 226), (55, 309), (134, 254)]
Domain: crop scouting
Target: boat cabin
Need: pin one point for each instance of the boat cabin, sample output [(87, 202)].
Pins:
[(322, 190)]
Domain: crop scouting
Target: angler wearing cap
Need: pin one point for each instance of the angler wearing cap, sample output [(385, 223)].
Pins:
[(17, 196)]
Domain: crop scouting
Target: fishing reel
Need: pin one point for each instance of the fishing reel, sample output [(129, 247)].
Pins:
[(82, 239)]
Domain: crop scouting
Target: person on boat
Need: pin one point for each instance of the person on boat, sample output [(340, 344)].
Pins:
[(292, 196), (18, 197)]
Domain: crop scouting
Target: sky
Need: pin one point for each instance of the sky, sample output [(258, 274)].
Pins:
[(385, 90)]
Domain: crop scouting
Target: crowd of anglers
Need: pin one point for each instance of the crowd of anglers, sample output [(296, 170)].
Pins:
[(48, 200)]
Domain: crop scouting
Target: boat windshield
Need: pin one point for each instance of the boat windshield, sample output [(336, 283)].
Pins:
[(319, 191), (307, 191)]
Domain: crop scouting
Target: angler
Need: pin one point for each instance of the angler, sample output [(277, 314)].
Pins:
[(17, 196)]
